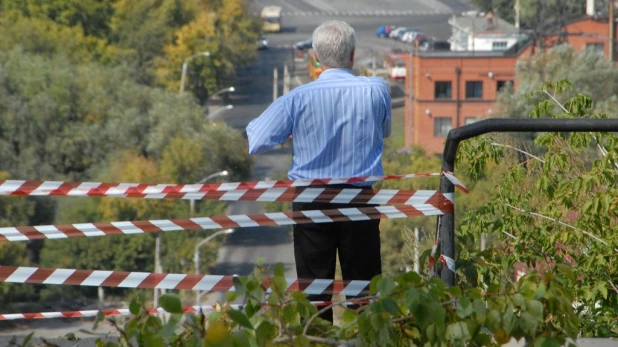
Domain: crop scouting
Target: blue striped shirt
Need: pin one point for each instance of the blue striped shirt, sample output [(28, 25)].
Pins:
[(338, 124)]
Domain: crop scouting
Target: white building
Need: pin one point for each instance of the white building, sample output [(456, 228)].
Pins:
[(475, 31)]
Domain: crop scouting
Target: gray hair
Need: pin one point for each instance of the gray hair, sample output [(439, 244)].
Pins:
[(334, 42)]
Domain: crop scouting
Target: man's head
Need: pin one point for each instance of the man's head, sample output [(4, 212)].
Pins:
[(334, 43)]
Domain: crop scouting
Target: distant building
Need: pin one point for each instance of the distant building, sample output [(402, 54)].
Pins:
[(453, 88), (482, 32)]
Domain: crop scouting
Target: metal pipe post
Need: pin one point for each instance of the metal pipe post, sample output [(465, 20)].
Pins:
[(446, 223)]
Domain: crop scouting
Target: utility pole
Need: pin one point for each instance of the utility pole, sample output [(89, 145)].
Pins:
[(373, 65), (417, 237), (275, 86), (286, 79), (157, 267)]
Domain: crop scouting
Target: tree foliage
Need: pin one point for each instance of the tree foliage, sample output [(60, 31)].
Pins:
[(556, 208), (78, 101), (404, 310)]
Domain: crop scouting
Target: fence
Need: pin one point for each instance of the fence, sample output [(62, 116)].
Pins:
[(395, 204)]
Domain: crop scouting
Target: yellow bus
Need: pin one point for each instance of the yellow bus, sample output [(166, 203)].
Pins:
[(271, 19), (313, 67)]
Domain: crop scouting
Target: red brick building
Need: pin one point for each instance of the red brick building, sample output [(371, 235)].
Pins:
[(450, 89)]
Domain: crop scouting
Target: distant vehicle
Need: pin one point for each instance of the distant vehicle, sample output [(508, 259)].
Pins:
[(396, 33), (302, 45), (384, 30), (395, 62), (271, 19), (409, 35), (262, 43)]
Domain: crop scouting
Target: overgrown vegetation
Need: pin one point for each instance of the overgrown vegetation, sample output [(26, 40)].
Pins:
[(89, 92)]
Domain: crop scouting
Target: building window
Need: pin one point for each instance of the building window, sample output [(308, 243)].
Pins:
[(500, 85), (442, 90), (441, 126), (470, 120), (474, 90), (598, 48), (498, 45)]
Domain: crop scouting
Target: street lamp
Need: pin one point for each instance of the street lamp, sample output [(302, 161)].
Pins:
[(225, 108), (202, 181), (222, 91), (184, 68), (196, 255)]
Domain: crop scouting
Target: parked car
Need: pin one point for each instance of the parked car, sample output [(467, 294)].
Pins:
[(409, 35), (302, 45), (396, 33), (384, 30), (262, 43)]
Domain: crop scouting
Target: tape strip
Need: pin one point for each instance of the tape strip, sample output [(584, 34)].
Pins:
[(60, 188), (127, 312), (25, 233), (449, 262), (208, 283)]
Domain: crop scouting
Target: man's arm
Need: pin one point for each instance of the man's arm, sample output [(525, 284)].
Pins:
[(271, 128)]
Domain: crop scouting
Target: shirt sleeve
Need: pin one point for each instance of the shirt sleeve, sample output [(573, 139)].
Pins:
[(386, 123), (271, 128)]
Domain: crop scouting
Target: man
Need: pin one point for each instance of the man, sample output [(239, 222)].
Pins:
[(338, 124)]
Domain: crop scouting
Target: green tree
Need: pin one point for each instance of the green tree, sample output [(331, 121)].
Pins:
[(92, 16), (557, 208), (227, 33)]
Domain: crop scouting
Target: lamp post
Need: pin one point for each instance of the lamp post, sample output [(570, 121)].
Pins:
[(196, 255), (225, 108), (222, 91), (202, 181), (185, 65)]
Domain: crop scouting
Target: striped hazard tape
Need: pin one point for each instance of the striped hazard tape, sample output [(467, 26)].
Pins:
[(127, 312), (208, 283), (178, 191), (25, 233)]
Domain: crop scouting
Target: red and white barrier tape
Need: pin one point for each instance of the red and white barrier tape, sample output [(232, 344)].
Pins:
[(127, 312), (208, 283), (44, 188), (25, 233)]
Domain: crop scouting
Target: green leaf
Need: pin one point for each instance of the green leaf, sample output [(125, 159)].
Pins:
[(302, 341), (602, 287), (134, 307), (464, 309), (130, 328), (26, 341), (349, 316), (170, 327), (390, 306), (279, 270), (265, 332), (99, 319), (535, 308), (373, 285), (290, 314), (231, 296), (153, 341), (239, 318), (385, 286), (455, 291), (171, 303), (457, 331)]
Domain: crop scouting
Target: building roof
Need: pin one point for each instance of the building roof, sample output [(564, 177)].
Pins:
[(488, 24)]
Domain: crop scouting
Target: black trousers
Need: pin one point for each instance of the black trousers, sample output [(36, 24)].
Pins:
[(316, 247)]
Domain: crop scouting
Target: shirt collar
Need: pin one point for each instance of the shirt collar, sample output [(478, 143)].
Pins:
[(335, 72)]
